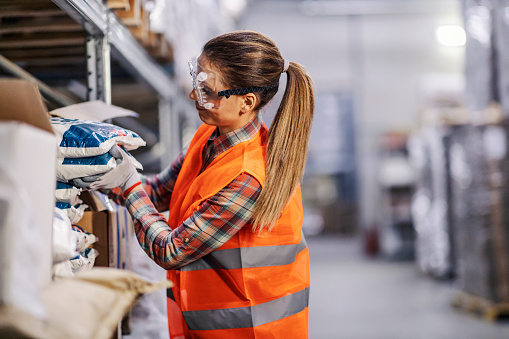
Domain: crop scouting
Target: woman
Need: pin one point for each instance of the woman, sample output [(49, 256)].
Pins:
[(233, 243)]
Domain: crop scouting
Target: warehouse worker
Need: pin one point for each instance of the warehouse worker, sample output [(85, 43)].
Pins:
[(233, 243)]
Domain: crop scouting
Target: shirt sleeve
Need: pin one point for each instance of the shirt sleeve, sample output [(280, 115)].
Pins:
[(158, 187), (214, 223)]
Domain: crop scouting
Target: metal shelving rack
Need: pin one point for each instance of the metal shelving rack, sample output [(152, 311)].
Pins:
[(105, 30), (107, 37)]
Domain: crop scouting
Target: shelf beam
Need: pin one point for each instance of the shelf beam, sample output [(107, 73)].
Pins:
[(99, 21), (49, 93)]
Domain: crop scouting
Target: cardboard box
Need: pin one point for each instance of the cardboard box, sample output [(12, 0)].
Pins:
[(27, 193), (112, 225)]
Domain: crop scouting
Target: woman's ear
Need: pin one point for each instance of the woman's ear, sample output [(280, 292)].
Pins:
[(249, 102)]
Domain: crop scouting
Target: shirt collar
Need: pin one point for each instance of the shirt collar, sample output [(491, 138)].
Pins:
[(222, 143)]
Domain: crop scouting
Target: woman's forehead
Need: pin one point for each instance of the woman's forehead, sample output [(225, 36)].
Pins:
[(215, 76), (204, 63)]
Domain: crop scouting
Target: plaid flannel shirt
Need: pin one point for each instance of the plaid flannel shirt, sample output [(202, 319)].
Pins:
[(214, 223)]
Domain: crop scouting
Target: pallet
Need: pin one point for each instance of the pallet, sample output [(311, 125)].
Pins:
[(119, 4), (131, 14), (485, 308)]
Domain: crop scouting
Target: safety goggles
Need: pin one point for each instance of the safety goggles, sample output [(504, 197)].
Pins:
[(207, 85), (209, 88)]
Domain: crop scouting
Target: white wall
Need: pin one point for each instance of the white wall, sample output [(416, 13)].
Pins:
[(382, 56)]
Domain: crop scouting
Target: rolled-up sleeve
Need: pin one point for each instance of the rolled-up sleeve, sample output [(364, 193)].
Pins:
[(159, 188), (218, 219)]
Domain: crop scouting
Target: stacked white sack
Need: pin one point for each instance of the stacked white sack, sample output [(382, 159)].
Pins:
[(81, 138), (72, 250), (73, 212), (87, 149), (68, 193)]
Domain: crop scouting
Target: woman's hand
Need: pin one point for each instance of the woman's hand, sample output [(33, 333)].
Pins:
[(124, 175)]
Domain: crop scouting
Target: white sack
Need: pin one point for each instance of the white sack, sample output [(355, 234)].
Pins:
[(67, 193), (75, 213), (72, 168), (64, 238), (82, 138)]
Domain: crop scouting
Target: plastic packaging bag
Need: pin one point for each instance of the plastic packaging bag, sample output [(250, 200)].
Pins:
[(90, 167), (22, 254), (71, 168), (81, 138), (83, 239), (85, 261), (64, 239), (62, 269), (67, 193), (75, 213)]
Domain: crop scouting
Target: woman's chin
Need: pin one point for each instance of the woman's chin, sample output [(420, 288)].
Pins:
[(204, 116)]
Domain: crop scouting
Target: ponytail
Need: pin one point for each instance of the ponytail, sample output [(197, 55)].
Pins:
[(286, 148), (249, 59)]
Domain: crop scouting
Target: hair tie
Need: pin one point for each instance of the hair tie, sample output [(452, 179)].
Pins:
[(285, 67)]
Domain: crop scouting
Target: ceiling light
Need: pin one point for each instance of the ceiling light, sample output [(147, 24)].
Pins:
[(451, 35)]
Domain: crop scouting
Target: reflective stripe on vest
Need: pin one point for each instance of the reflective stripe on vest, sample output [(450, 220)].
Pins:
[(241, 317), (248, 257)]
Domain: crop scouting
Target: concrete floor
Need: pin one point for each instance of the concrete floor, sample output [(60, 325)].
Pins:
[(356, 297)]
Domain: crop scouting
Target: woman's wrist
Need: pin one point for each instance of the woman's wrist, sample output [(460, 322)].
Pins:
[(130, 188)]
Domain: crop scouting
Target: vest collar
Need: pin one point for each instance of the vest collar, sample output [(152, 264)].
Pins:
[(222, 143)]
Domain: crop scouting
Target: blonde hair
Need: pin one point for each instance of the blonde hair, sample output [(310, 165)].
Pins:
[(250, 59)]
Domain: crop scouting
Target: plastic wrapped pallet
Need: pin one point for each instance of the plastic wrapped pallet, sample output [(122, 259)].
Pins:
[(428, 150), (479, 54), (501, 25), (480, 188)]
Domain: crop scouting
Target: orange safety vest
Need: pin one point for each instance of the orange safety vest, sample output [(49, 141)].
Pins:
[(253, 286)]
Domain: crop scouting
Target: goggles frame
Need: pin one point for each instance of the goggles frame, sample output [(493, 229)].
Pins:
[(202, 98)]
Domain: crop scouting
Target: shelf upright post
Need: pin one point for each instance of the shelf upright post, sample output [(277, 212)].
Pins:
[(98, 68), (99, 63), (169, 131)]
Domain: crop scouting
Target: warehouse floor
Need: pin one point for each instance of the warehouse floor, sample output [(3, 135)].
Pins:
[(356, 297)]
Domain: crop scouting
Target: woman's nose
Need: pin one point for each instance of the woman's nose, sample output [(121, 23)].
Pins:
[(192, 95)]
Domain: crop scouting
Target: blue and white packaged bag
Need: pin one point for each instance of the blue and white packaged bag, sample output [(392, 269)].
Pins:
[(75, 213), (64, 238), (72, 168), (67, 193), (81, 138)]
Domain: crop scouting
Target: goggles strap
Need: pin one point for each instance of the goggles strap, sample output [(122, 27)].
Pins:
[(227, 93)]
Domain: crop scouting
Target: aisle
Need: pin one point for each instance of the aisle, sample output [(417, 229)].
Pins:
[(354, 297)]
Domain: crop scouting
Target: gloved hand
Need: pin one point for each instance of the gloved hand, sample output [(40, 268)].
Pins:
[(123, 176)]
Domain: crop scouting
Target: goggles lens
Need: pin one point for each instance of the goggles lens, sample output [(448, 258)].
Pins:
[(206, 84)]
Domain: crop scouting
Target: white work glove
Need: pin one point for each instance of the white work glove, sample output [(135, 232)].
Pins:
[(123, 176)]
